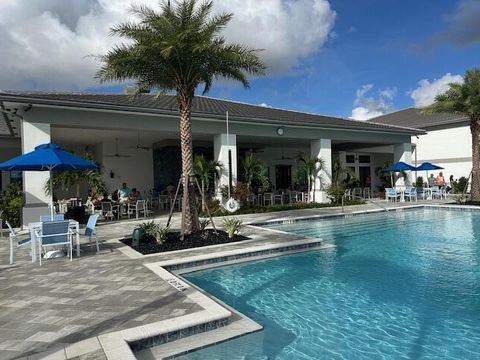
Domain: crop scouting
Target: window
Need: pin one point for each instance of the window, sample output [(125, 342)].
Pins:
[(364, 159), (350, 159)]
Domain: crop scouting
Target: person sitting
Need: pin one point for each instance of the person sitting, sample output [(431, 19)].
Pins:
[(106, 198), (440, 180), (431, 180), (134, 195), (115, 196), (123, 193)]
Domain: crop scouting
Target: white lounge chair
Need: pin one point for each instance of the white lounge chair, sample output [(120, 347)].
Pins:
[(15, 242), (391, 194), (54, 233), (410, 193)]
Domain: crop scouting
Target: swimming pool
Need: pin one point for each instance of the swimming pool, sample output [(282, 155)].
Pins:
[(397, 285)]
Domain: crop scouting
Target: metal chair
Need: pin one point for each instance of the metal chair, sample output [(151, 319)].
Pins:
[(391, 194), (107, 210), (163, 202), (137, 208), (268, 198), (90, 230), (14, 242), (54, 233), (410, 193), (56, 217)]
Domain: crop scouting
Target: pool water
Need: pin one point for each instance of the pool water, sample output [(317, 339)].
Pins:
[(402, 285)]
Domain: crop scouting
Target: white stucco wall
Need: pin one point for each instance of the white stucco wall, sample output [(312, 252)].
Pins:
[(136, 170), (449, 148)]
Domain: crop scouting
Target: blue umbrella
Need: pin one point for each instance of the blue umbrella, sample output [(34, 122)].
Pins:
[(426, 166), (47, 157), (398, 166)]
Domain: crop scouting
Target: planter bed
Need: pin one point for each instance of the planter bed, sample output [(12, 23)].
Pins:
[(201, 238)]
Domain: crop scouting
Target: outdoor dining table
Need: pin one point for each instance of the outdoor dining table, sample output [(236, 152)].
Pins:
[(36, 226)]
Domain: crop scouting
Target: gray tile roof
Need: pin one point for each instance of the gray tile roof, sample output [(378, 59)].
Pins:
[(414, 118), (202, 106)]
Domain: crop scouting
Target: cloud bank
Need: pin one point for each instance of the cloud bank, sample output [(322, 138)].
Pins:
[(368, 106), (427, 90), (45, 43)]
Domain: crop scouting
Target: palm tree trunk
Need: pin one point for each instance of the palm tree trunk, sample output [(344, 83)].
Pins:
[(189, 209), (309, 189), (203, 195), (475, 186)]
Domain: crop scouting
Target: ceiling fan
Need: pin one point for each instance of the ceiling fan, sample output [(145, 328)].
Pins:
[(139, 146), (117, 154)]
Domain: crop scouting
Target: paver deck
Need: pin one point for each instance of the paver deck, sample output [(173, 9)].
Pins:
[(63, 302)]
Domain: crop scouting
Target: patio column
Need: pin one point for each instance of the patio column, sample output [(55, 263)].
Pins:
[(403, 152), (225, 147), (36, 201), (322, 149)]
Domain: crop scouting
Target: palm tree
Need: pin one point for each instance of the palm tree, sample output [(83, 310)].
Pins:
[(311, 167), (465, 99), (254, 172), (176, 50), (206, 171)]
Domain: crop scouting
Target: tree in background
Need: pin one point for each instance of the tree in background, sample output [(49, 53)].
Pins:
[(311, 168), (465, 99), (253, 172), (178, 49), (337, 188), (206, 171)]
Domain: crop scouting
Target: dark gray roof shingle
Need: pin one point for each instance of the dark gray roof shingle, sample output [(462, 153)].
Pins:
[(414, 118), (202, 105)]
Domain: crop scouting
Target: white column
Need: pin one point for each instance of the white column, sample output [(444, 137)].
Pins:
[(222, 144), (322, 149), (403, 152), (36, 201)]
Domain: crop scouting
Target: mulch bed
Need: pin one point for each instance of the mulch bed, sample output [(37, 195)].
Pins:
[(173, 242)]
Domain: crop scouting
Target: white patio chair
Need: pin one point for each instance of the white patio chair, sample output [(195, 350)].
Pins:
[(357, 193), (90, 230), (267, 198), (347, 194), (410, 193), (391, 194), (137, 208), (367, 193), (54, 233), (251, 200), (278, 198), (56, 217), (15, 242), (107, 210), (163, 202), (436, 193)]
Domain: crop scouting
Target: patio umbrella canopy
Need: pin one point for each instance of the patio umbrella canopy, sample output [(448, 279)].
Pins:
[(398, 166), (47, 157), (426, 166)]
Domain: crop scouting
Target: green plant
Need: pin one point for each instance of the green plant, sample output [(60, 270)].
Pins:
[(74, 178), (460, 186), (177, 49), (385, 177), (464, 98), (232, 226), (460, 199), (206, 171), (11, 204), (204, 223), (419, 181), (335, 193), (161, 234), (150, 228), (311, 167), (254, 173)]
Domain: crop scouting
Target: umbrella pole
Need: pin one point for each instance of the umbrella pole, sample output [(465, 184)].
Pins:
[(51, 195)]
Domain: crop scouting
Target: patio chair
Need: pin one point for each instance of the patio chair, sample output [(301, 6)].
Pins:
[(347, 194), (107, 210), (137, 208), (410, 193), (90, 230), (54, 233), (357, 193), (391, 194), (56, 217), (421, 193), (163, 202), (367, 193), (251, 200), (436, 193), (278, 198), (15, 242), (268, 198)]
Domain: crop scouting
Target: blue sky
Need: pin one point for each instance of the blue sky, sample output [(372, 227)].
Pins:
[(390, 44), (349, 58)]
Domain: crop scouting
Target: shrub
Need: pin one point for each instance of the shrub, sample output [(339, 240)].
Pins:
[(204, 223), (161, 234), (232, 226), (459, 186), (419, 182), (335, 193), (150, 228), (11, 204)]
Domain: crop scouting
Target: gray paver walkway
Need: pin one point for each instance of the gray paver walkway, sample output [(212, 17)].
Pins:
[(64, 302)]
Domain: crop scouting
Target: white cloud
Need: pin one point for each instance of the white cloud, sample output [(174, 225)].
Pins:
[(44, 44), (427, 90), (368, 107)]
